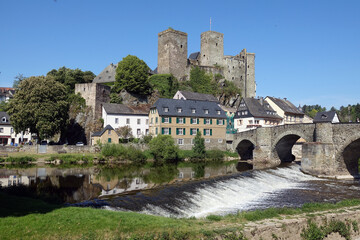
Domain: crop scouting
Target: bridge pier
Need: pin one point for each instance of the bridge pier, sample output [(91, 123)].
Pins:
[(263, 156)]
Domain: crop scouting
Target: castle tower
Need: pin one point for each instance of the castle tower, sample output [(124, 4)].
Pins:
[(172, 53), (250, 84), (212, 48)]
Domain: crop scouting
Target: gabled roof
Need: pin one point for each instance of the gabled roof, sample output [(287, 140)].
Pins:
[(100, 133), (286, 105), (187, 106), (324, 116), (113, 108), (258, 108), (198, 96), (194, 55), (107, 75), (6, 117)]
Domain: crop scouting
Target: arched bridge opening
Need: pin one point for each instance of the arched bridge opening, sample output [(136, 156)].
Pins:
[(351, 156), (245, 149), (284, 146)]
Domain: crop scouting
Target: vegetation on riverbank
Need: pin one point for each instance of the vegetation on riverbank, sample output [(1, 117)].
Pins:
[(25, 218)]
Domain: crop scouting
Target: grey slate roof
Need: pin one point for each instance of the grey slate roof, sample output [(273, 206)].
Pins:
[(194, 55), (100, 133), (256, 109), (113, 108), (199, 96), (286, 106), (187, 106), (6, 118), (324, 116), (107, 75)]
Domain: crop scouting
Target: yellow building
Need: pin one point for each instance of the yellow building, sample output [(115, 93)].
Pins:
[(182, 119), (106, 135)]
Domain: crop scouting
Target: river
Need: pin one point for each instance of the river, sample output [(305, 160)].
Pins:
[(191, 190)]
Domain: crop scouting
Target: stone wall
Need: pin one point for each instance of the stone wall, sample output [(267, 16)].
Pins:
[(212, 48), (51, 149)]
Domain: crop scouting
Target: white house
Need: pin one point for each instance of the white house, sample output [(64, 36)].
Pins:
[(253, 113), (7, 133), (330, 116), (120, 115)]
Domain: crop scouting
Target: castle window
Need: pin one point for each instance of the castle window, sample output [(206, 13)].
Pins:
[(204, 55), (180, 46), (84, 89), (232, 78), (216, 44)]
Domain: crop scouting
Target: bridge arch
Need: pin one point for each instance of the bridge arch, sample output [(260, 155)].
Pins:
[(245, 149), (349, 155), (283, 143)]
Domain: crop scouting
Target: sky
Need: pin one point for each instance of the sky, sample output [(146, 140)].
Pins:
[(307, 51)]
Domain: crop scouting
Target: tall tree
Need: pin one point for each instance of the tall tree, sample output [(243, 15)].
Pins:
[(132, 74), (70, 77), (199, 147), (39, 104), (166, 84)]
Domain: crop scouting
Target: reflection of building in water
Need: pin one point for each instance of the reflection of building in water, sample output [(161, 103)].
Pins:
[(120, 186), (15, 180), (188, 173)]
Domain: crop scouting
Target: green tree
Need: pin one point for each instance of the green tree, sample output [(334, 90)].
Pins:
[(18, 79), (166, 84), (115, 98), (202, 82), (70, 77), (132, 74), (3, 106), (228, 91), (198, 149), (39, 104), (163, 149)]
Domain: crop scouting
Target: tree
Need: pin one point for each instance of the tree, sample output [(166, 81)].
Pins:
[(125, 132), (3, 106), (70, 77), (132, 75), (229, 91), (202, 82), (18, 79), (115, 98), (166, 84), (39, 104), (199, 147), (163, 149)]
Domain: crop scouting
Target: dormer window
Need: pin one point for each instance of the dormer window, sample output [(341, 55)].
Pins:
[(323, 116), (193, 110), (179, 110), (218, 112), (3, 120), (166, 109), (206, 111)]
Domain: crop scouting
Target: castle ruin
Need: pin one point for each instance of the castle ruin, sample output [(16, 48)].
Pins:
[(172, 58)]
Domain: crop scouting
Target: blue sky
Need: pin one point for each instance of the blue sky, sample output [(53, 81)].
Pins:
[(307, 51)]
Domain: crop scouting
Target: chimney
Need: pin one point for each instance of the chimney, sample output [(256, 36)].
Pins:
[(261, 101)]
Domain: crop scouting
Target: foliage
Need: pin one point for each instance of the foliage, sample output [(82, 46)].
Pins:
[(229, 90), (132, 75), (39, 104), (70, 77), (163, 149), (77, 104), (147, 138), (127, 153), (311, 110), (22, 160), (166, 84), (124, 132), (161, 174), (215, 155), (314, 232), (350, 113), (115, 98), (113, 150), (214, 218), (18, 79), (3, 106), (202, 82), (135, 155), (199, 147)]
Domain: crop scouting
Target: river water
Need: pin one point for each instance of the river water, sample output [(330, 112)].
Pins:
[(185, 191)]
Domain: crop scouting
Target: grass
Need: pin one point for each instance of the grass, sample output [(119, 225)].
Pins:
[(27, 218)]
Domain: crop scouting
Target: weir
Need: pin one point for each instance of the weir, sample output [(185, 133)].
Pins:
[(328, 150)]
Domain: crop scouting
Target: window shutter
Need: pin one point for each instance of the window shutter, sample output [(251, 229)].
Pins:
[(177, 120), (210, 132), (210, 121), (197, 120), (162, 119), (184, 120), (109, 140), (197, 130), (162, 131), (204, 132), (217, 121), (191, 132), (169, 131), (204, 120), (177, 131), (183, 131), (169, 119)]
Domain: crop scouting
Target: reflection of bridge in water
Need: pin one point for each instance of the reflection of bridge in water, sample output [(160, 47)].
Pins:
[(329, 150)]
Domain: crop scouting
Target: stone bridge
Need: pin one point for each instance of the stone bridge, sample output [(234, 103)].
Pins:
[(329, 150)]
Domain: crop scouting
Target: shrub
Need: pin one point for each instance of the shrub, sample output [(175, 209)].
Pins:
[(215, 155), (25, 159), (113, 150), (147, 138), (198, 148), (313, 232), (135, 155), (214, 218), (163, 149)]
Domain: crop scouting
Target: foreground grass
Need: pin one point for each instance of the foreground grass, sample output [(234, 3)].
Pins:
[(25, 218)]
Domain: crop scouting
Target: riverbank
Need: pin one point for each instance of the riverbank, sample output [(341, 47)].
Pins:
[(25, 218)]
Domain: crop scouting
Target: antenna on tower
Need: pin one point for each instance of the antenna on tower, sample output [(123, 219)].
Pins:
[(210, 24)]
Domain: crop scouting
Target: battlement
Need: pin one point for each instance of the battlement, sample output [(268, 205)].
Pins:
[(170, 30)]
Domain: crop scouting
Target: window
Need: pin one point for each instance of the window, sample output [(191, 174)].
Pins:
[(240, 122), (218, 112), (181, 175), (166, 131), (138, 131), (180, 120), (165, 120), (193, 110), (1, 130), (207, 121), (109, 140), (207, 140), (206, 132), (11, 130), (116, 121), (147, 121), (193, 131), (194, 121), (220, 122), (180, 131), (3, 119), (166, 109), (206, 111), (250, 121), (156, 131), (180, 141), (156, 120), (128, 121), (179, 110), (138, 121), (220, 140), (257, 122)]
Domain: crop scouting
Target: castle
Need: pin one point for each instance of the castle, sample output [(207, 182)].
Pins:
[(172, 58)]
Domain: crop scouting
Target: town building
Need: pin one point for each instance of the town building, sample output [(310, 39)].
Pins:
[(173, 58), (253, 113), (286, 110), (6, 94), (120, 115), (8, 135), (330, 116), (187, 95), (106, 135), (182, 119)]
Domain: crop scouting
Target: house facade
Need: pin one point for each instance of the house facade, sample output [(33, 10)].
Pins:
[(8, 135), (182, 119), (106, 135), (286, 110), (253, 113), (120, 115)]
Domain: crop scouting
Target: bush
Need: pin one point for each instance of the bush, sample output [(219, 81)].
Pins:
[(164, 150), (113, 150), (198, 148), (215, 155), (147, 138), (135, 155), (25, 159)]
